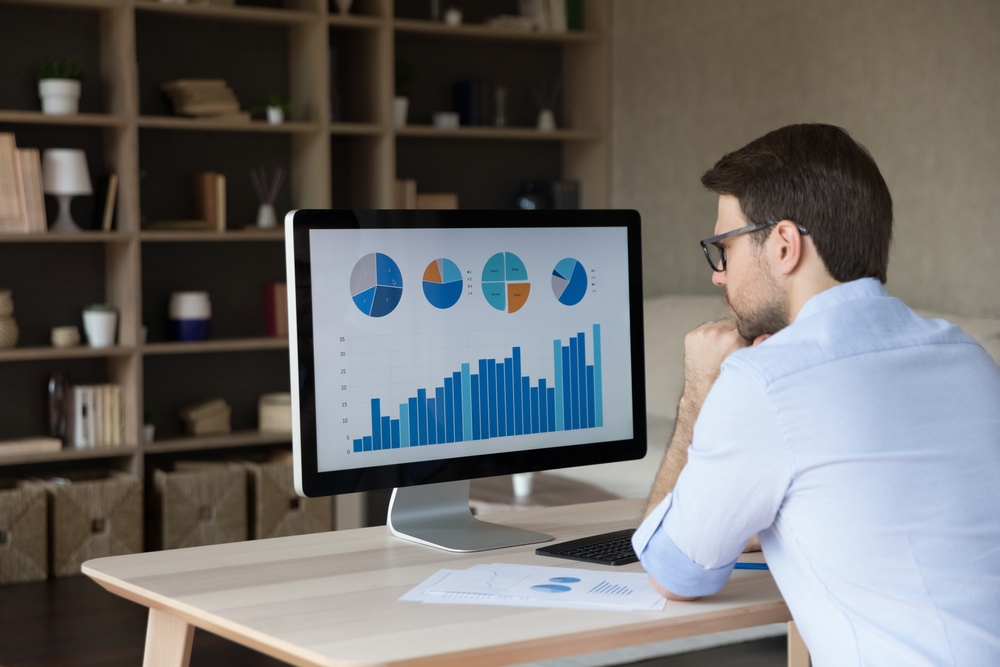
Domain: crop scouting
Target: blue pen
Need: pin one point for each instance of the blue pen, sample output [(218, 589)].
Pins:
[(751, 566)]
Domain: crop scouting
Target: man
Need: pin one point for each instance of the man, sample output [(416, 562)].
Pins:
[(858, 440)]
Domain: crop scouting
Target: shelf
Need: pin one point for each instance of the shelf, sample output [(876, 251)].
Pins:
[(69, 454), (485, 32), (78, 119), (73, 4), (78, 352), (509, 133), (272, 235), (225, 441), (181, 123), (356, 128), (231, 345), (355, 21), (251, 14), (56, 237)]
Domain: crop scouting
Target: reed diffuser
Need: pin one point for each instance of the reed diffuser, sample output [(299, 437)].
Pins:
[(267, 193)]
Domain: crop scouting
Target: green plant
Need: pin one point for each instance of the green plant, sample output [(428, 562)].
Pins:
[(279, 100), (100, 308), (406, 78), (65, 68)]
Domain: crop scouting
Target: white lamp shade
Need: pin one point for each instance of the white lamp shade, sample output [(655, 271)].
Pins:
[(65, 172)]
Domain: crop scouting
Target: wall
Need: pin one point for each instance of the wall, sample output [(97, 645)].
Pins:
[(917, 82)]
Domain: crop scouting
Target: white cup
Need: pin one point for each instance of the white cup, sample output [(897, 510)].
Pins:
[(190, 306)]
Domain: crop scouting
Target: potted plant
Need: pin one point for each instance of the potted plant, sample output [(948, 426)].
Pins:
[(406, 77), (100, 321), (279, 108), (59, 86)]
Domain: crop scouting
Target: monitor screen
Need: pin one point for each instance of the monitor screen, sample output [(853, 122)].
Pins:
[(433, 346)]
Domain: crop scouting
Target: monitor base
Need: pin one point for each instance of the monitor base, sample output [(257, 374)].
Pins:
[(438, 515)]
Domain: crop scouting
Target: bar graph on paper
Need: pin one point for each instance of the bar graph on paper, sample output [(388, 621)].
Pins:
[(505, 395)]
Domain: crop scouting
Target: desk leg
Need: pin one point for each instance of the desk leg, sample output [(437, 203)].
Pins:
[(168, 641), (798, 654)]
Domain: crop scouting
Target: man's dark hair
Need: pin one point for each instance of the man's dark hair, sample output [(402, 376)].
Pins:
[(820, 178)]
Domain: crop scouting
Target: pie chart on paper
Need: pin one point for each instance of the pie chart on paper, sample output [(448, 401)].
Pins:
[(505, 282), (376, 285), (569, 282), (442, 283)]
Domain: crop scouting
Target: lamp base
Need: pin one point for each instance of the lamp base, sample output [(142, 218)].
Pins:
[(64, 223)]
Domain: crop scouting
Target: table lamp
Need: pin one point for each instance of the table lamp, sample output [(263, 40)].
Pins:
[(65, 175)]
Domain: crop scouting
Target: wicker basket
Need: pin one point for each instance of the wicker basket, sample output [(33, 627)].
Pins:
[(93, 514), (6, 303), (276, 510), (200, 504), (24, 546)]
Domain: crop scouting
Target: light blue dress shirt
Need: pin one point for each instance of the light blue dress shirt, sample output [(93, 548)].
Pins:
[(862, 443)]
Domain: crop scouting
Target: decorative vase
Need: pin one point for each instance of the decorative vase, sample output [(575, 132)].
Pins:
[(344, 6), (453, 16), (60, 97), (190, 316), (6, 303), (101, 327), (400, 109), (8, 332), (546, 120), (266, 217), (65, 336), (275, 115), (148, 433)]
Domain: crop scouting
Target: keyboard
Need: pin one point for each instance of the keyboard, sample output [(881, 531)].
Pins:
[(606, 549)]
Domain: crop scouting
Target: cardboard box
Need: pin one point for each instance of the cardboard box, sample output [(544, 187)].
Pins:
[(199, 503), (276, 510), (24, 544)]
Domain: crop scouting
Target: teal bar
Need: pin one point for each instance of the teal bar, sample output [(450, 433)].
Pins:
[(557, 359), (598, 393), (404, 425), (466, 402)]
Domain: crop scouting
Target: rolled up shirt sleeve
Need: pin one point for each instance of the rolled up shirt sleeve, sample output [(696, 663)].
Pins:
[(737, 473)]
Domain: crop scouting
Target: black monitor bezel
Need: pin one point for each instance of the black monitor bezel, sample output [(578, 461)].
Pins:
[(313, 483)]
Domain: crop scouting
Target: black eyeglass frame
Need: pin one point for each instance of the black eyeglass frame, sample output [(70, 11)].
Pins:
[(714, 240)]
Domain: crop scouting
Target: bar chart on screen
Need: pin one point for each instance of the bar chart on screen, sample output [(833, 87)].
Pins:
[(407, 391)]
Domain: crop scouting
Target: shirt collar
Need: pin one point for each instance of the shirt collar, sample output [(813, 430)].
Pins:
[(864, 288)]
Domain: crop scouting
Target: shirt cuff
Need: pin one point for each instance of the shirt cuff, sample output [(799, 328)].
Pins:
[(649, 525)]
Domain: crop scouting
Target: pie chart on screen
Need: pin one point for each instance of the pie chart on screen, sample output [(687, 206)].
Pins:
[(442, 283), (376, 285), (569, 282), (505, 282)]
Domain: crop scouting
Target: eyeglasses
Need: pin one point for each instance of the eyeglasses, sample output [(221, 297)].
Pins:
[(715, 253)]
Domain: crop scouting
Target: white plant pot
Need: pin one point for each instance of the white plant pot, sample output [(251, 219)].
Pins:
[(546, 120), (101, 327), (148, 433), (60, 97), (266, 217), (275, 115), (400, 109)]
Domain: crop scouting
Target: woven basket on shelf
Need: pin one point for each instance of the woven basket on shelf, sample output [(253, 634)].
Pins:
[(6, 303), (8, 332), (201, 504), (24, 546), (276, 510)]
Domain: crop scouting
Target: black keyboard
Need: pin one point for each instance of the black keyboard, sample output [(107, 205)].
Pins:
[(607, 549)]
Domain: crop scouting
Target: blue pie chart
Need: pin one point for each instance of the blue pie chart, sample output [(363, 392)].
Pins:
[(569, 282), (551, 588), (443, 283), (376, 285)]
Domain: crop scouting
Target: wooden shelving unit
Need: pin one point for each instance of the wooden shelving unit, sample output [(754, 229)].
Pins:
[(352, 161)]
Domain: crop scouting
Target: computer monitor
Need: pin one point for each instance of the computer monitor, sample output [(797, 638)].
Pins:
[(429, 348)]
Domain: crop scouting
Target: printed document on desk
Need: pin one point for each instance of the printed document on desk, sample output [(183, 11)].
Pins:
[(537, 586)]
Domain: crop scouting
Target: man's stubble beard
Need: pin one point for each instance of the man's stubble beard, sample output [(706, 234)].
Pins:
[(763, 307)]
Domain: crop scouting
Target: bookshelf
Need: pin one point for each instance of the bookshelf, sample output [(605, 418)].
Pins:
[(340, 150)]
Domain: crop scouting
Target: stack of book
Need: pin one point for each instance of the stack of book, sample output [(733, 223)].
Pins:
[(96, 416), (207, 418), (473, 100), (204, 98), (22, 204)]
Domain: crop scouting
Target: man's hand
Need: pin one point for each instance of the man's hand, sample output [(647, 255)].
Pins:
[(705, 349)]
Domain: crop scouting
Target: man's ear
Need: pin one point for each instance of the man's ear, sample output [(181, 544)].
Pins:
[(786, 248)]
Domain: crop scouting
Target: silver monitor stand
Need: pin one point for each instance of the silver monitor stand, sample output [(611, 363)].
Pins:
[(438, 515)]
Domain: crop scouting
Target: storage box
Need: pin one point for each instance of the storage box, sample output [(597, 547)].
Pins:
[(24, 545), (200, 503), (276, 510), (93, 514)]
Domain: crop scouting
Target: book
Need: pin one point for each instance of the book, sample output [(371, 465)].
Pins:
[(557, 15), (22, 446), (30, 166), (437, 201), (105, 197), (11, 206), (207, 418), (210, 199), (574, 15), (96, 416), (276, 310), (406, 193)]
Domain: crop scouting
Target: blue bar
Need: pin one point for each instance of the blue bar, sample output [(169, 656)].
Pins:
[(439, 414), (491, 383), (456, 383), (484, 401), (358, 445), (557, 362), (543, 411), (501, 401), (474, 384), (386, 432), (598, 378), (422, 415), (404, 425), (413, 416), (567, 397), (591, 421), (550, 404), (508, 369), (581, 350), (432, 433), (526, 399), (574, 381), (449, 411), (377, 424), (367, 440), (466, 402), (394, 432), (534, 409), (518, 417)]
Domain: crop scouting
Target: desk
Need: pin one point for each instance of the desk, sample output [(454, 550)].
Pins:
[(332, 599)]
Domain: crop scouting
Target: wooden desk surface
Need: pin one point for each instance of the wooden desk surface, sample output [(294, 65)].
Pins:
[(333, 598)]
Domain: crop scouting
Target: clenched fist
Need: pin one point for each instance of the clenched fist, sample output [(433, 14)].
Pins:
[(705, 349)]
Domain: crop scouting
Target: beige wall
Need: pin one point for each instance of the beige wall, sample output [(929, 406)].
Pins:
[(916, 81)]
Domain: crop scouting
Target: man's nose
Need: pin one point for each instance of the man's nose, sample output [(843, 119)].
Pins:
[(719, 278)]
